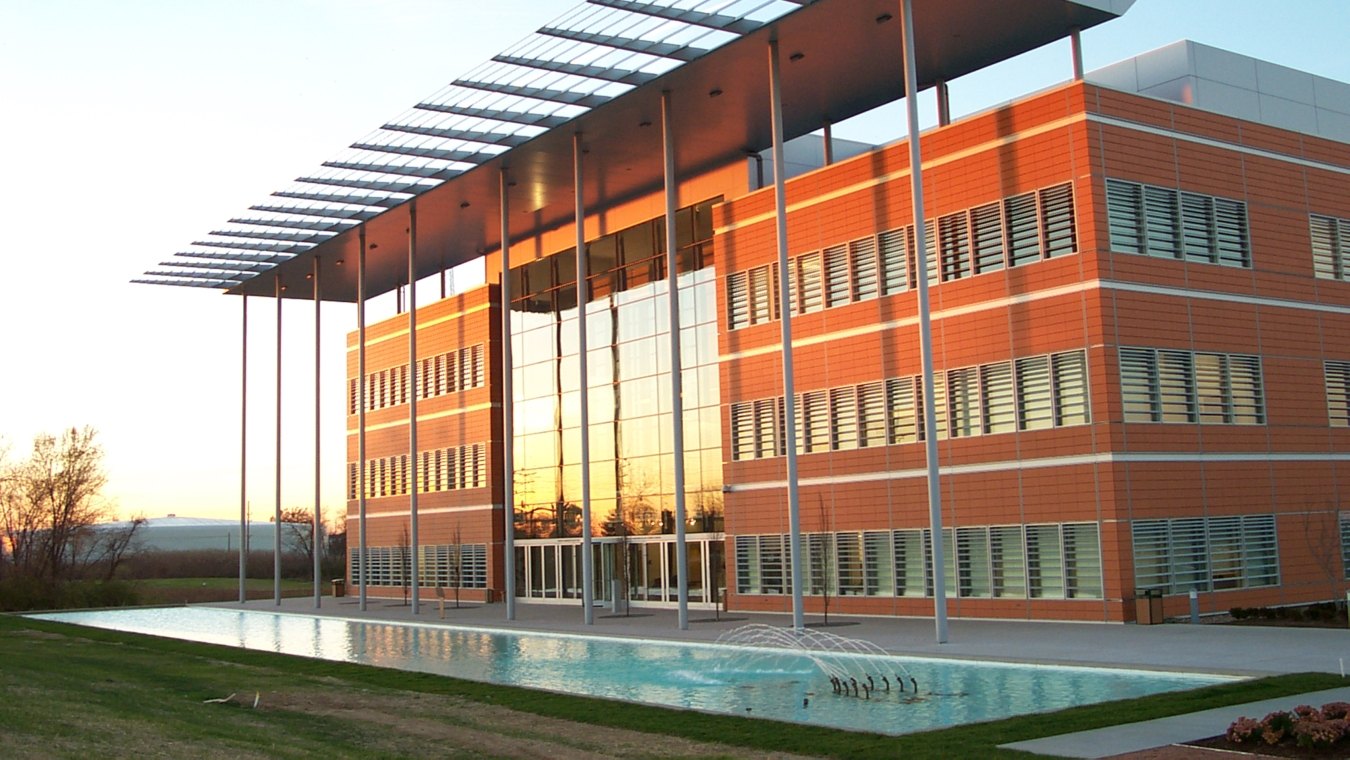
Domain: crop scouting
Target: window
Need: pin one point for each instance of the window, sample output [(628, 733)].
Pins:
[(954, 246), (986, 234), (1168, 223), (1337, 375), (1031, 393), (897, 254), (1024, 235), (762, 292), (1345, 544), (1330, 246), (837, 287), (1161, 385), (1054, 561), (863, 259), (1205, 553), (811, 297)]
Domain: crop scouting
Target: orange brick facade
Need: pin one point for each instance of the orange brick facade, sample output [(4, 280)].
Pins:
[(1102, 471)]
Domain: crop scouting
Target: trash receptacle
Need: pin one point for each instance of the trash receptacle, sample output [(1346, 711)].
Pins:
[(1148, 606), (339, 587)]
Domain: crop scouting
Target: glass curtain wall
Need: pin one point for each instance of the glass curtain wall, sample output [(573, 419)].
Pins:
[(628, 390)]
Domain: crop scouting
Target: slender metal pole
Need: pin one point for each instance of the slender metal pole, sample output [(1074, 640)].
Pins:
[(583, 293), (243, 460), (412, 406), (508, 409), (316, 538), (944, 104), (1076, 50), (828, 141), (676, 364), (363, 572), (925, 329), (785, 325), (276, 515)]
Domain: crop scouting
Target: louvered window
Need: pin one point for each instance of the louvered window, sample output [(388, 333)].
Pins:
[(353, 392), (1000, 402), (809, 293), (1337, 375), (1176, 388), (843, 418), (897, 251), (1045, 562), (763, 292), (913, 574), (742, 431), (738, 300), (901, 410), (872, 414), (954, 243), (878, 564), (939, 407), (353, 477), (1214, 553), (1008, 562), (1345, 544), (1071, 398), (837, 287), (863, 258), (1330, 246), (1035, 397), (820, 563), (1057, 220), (986, 234), (1168, 223), (972, 562), (1024, 229), (963, 391), (1182, 386), (766, 427), (813, 430)]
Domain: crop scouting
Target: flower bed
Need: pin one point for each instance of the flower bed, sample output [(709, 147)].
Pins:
[(1305, 731)]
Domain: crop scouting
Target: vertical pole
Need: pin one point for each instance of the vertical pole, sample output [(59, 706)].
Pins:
[(676, 363), (925, 329), (316, 538), (412, 407), (508, 413), (944, 104), (1076, 48), (583, 298), (363, 572), (276, 514), (785, 325), (243, 459), (829, 143)]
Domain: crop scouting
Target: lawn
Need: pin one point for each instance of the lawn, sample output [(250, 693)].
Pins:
[(77, 692), (198, 590)]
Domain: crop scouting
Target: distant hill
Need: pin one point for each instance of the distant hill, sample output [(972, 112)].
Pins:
[(174, 533)]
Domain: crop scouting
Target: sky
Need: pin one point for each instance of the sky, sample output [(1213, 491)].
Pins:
[(131, 128)]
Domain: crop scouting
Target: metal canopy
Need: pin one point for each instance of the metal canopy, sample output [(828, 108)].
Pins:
[(600, 70)]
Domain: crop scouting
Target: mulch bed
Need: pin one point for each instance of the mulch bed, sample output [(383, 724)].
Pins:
[(1279, 750)]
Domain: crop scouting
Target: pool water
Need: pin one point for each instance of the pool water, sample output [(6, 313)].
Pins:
[(757, 682)]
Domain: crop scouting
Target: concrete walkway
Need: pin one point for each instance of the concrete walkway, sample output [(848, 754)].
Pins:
[(1237, 650)]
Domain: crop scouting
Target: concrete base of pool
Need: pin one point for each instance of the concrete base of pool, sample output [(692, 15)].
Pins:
[(1174, 648)]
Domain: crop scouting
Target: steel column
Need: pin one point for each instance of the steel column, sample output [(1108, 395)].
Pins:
[(412, 405), (508, 411), (316, 538), (243, 459), (361, 553), (828, 141), (587, 565), (944, 104), (1076, 50), (676, 365), (925, 328), (276, 516), (785, 325)]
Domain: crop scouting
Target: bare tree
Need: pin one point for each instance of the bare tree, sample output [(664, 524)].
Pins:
[(297, 532), (50, 505), (1322, 536), (456, 560), (404, 561)]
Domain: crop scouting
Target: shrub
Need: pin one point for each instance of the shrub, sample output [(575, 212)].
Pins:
[(1315, 733), (1336, 710), (1275, 726), (1244, 730), (1304, 712)]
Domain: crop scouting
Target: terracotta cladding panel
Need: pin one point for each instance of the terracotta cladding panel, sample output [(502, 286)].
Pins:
[(1272, 139), (1164, 489)]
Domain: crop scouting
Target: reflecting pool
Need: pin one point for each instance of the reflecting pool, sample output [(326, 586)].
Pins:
[(763, 683)]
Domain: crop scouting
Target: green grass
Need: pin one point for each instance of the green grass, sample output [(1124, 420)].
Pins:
[(197, 590), (71, 691)]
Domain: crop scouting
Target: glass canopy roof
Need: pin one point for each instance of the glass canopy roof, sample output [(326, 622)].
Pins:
[(593, 53)]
